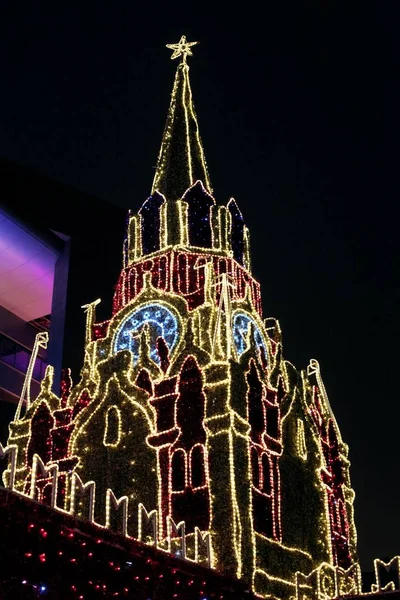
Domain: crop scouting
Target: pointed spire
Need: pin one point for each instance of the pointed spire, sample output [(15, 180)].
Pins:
[(181, 161)]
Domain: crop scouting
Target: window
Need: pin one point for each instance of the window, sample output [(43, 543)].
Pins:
[(112, 431), (17, 356), (273, 421), (8, 350), (266, 474), (22, 358), (197, 464), (342, 518), (255, 469), (178, 468)]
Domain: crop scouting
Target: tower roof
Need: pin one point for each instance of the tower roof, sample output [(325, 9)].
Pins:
[(181, 161)]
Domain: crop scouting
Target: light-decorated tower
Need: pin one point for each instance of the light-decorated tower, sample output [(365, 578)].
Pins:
[(186, 411)]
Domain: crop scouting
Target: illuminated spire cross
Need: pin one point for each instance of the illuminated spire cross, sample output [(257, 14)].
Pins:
[(182, 48)]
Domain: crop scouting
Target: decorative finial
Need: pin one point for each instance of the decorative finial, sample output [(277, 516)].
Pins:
[(182, 48)]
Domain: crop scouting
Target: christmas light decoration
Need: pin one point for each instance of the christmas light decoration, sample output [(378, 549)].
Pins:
[(176, 530), (327, 582), (187, 429), (161, 322), (41, 340), (389, 571), (51, 469), (151, 518), (182, 48), (301, 440), (75, 559), (111, 499), (89, 486), (12, 451)]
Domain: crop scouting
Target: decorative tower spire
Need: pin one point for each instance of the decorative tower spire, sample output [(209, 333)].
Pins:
[(181, 161)]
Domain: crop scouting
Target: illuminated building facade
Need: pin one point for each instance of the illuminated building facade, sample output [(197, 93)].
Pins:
[(31, 261), (186, 416)]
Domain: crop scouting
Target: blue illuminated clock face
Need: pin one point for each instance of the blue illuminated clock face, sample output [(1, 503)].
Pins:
[(161, 322), (241, 326)]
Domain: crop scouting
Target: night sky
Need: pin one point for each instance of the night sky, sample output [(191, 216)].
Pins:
[(297, 109)]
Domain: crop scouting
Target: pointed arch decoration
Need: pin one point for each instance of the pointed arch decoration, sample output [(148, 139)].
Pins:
[(40, 439), (150, 223), (197, 467), (199, 204)]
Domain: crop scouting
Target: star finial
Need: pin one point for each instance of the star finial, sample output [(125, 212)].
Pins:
[(182, 48)]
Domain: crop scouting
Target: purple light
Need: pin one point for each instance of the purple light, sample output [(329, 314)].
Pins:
[(26, 271)]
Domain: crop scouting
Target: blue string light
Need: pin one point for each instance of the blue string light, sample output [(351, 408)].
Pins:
[(161, 322)]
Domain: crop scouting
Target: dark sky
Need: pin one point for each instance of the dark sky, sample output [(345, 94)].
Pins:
[(297, 108)]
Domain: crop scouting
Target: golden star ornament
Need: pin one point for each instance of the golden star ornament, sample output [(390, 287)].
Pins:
[(182, 48)]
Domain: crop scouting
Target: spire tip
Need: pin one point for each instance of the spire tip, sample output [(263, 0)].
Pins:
[(182, 48)]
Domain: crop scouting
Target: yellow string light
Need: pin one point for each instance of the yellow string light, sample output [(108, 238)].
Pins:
[(237, 358), (182, 48)]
